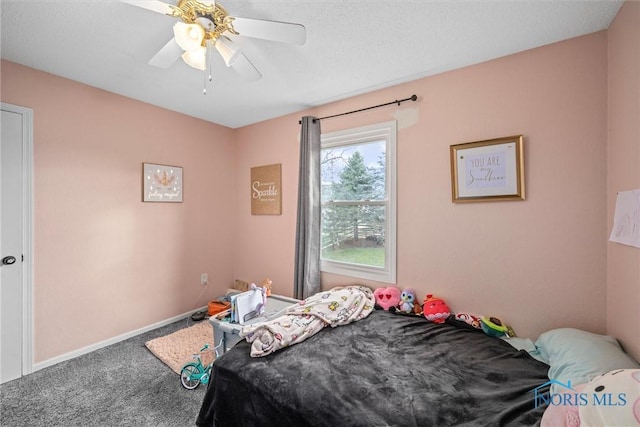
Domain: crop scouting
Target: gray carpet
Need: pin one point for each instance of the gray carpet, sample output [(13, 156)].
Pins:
[(122, 384)]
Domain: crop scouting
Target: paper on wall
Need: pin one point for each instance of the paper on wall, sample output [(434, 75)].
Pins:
[(626, 219)]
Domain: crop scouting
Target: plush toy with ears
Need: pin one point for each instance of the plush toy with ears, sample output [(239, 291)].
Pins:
[(387, 298), (618, 392)]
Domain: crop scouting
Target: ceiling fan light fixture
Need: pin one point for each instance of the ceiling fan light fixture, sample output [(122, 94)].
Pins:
[(188, 36), (196, 58), (204, 24), (227, 50)]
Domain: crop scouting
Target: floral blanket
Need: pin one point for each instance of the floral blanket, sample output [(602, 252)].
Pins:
[(335, 307)]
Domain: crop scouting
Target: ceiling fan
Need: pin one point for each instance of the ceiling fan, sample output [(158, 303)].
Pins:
[(205, 25)]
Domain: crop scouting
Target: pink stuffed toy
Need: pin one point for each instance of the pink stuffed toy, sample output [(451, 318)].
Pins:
[(387, 298)]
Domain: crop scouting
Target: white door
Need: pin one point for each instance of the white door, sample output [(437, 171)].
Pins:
[(14, 206)]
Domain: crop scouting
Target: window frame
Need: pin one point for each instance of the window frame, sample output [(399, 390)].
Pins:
[(386, 131)]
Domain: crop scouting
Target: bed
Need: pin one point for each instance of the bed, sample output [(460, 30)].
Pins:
[(388, 369), (332, 360)]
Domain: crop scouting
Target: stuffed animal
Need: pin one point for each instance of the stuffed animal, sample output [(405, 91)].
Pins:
[(407, 301), (267, 284), (387, 298), (493, 326), (469, 319), (614, 399), (435, 309)]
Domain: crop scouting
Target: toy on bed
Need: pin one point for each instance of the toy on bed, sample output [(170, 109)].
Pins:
[(387, 298), (469, 319), (618, 393), (600, 369), (435, 309), (494, 327), (408, 302), (611, 399)]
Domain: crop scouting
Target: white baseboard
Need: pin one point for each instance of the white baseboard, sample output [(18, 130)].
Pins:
[(110, 341)]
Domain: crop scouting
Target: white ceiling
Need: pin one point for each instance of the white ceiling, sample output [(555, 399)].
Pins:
[(352, 47)]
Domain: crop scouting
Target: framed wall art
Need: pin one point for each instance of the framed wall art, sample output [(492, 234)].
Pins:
[(490, 170), (161, 183), (266, 190)]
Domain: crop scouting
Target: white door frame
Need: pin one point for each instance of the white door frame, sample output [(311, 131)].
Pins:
[(27, 239)]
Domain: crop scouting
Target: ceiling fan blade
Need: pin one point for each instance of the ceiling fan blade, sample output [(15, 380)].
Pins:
[(245, 68), (285, 32), (167, 55), (227, 49), (153, 5)]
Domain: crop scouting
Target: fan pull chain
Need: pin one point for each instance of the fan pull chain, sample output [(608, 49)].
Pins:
[(210, 58), (204, 83), (210, 77)]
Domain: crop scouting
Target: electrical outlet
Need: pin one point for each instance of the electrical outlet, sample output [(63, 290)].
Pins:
[(204, 279)]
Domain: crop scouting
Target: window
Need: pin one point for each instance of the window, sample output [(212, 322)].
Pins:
[(358, 196)]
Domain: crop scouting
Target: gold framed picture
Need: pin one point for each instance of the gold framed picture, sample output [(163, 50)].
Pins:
[(490, 170)]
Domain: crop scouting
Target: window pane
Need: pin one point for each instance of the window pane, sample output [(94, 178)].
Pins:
[(354, 172), (358, 172), (354, 234)]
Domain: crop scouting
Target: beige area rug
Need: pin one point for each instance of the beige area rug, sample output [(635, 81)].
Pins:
[(178, 348)]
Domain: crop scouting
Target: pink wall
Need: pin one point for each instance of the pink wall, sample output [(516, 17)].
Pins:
[(106, 263), (623, 262), (536, 264)]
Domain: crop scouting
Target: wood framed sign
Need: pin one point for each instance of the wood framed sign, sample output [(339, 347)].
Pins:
[(266, 190)]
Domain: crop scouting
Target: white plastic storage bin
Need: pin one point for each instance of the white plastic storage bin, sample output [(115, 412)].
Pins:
[(227, 333)]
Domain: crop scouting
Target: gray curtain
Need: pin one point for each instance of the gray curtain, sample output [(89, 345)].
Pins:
[(307, 267)]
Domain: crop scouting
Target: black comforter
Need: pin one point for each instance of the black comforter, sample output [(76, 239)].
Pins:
[(385, 370)]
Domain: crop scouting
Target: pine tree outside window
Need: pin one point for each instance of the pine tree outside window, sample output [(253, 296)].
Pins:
[(358, 231)]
